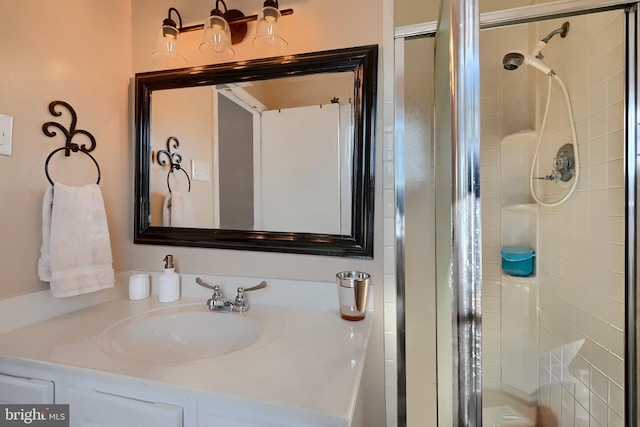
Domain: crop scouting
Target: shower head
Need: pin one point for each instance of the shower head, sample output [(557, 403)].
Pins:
[(513, 60)]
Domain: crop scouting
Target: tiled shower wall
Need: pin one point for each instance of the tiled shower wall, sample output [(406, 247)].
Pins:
[(581, 247), (582, 241), (506, 108)]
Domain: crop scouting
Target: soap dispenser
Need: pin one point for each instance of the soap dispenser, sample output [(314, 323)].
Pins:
[(169, 289)]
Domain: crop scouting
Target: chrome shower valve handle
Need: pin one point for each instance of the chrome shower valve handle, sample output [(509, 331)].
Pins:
[(564, 165)]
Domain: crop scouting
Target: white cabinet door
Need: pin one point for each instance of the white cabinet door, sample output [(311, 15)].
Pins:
[(89, 408), (17, 390)]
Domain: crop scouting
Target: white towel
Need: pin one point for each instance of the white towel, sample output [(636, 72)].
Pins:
[(75, 257), (177, 210)]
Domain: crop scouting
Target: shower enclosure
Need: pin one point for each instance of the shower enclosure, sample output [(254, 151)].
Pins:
[(556, 347)]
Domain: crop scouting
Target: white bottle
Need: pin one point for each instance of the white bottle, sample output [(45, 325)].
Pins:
[(169, 289)]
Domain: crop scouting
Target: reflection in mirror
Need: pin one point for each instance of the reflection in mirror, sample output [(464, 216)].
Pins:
[(233, 137), (273, 154)]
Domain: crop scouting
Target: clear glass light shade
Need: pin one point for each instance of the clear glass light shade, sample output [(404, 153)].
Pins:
[(216, 42), (268, 36), (166, 54)]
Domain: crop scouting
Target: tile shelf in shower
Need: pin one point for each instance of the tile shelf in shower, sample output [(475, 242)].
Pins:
[(519, 225), (518, 295)]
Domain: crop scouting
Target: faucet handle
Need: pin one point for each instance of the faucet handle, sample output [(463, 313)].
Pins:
[(260, 285), (201, 282), (241, 300)]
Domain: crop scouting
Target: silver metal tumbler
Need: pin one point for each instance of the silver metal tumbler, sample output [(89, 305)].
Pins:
[(353, 287)]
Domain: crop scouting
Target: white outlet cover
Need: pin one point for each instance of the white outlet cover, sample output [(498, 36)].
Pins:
[(6, 131)]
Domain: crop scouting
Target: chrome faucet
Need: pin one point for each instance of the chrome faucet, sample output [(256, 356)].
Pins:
[(218, 303)]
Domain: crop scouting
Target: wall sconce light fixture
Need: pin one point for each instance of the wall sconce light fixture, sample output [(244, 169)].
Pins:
[(223, 29), (167, 42), (216, 41), (268, 32)]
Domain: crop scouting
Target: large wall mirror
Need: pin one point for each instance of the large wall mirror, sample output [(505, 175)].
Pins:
[(272, 154)]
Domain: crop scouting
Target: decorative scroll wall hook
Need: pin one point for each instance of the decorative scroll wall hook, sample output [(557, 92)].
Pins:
[(172, 158), (69, 135)]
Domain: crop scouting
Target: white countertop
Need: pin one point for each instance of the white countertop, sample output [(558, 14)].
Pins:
[(310, 361)]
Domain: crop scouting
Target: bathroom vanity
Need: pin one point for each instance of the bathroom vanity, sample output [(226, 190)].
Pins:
[(138, 363)]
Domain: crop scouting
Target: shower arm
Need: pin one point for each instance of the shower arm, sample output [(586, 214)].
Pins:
[(537, 51), (562, 31)]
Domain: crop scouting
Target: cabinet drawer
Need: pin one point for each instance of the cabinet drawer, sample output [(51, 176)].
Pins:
[(18, 390), (89, 408)]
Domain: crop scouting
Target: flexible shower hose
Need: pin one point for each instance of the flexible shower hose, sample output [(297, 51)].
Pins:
[(574, 137)]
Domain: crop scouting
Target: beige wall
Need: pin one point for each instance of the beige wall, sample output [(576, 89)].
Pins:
[(185, 114), (78, 52), (412, 12)]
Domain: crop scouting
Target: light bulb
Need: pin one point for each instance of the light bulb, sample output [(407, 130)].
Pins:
[(165, 54), (216, 41), (268, 36)]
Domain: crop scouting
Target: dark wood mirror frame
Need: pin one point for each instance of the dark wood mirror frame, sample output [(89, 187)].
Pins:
[(362, 61)]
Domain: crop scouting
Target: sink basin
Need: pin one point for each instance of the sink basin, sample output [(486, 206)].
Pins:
[(179, 334)]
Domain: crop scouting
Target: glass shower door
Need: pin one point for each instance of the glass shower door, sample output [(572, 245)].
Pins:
[(416, 235), (437, 185)]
